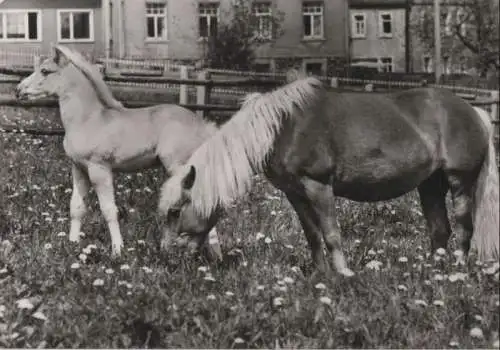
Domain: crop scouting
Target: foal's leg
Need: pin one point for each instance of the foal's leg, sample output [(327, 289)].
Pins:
[(432, 198), (323, 203), (78, 208), (102, 180), (462, 193)]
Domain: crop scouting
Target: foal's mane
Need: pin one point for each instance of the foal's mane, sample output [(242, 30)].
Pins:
[(103, 92), (226, 162)]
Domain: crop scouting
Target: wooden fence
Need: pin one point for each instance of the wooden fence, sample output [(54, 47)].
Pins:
[(204, 87)]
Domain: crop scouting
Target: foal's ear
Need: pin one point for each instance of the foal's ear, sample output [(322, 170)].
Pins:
[(188, 181), (59, 57)]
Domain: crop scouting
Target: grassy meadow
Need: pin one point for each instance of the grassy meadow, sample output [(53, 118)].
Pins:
[(54, 293)]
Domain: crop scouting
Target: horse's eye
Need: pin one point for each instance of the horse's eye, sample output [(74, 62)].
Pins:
[(44, 72), (174, 213)]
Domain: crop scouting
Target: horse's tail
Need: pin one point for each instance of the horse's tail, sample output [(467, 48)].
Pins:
[(487, 215)]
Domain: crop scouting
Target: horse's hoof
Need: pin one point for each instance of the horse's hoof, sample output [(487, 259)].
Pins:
[(346, 272)]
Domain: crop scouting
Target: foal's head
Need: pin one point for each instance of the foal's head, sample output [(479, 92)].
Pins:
[(54, 76), (179, 215)]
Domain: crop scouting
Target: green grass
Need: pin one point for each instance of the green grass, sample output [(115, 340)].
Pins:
[(183, 301)]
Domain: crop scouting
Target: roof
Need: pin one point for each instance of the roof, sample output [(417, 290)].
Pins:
[(382, 4)]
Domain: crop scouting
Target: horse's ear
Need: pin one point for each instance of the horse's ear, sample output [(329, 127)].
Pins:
[(188, 181), (59, 57)]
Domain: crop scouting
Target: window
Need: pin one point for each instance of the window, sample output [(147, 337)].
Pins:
[(312, 14), (263, 14), (358, 22), (446, 65), (208, 17), (386, 64), (156, 20), (385, 24), (75, 25), (19, 25), (262, 67)]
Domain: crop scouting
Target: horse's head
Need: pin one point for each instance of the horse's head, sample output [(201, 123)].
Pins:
[(48, 79), (178, 213)]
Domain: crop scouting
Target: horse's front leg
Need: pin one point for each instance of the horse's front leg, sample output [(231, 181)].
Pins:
[(322, 202), (102, 180), (78, 208)]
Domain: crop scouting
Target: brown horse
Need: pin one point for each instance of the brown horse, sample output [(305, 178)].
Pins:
[(314, 144)]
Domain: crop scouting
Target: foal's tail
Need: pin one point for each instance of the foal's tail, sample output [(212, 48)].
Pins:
[(487, 215)]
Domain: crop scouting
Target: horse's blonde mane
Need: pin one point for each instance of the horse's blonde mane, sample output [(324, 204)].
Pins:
[(226, 162), (103, 92)]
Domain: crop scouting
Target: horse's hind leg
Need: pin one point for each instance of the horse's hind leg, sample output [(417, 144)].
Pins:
[(462, 191), (432, 198)]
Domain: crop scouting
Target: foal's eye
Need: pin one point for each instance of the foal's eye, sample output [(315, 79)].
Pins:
[(44, 72)]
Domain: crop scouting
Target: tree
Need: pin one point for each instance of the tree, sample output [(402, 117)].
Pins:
[(233, 44), (469, 29)]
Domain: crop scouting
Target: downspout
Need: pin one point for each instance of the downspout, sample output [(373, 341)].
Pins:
[(121, 30), (106, 25), (408, 65)]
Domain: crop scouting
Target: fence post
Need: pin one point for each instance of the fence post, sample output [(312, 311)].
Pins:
[(36, 62), (495, 96), (202, 92), (334, 83), (183, 93)]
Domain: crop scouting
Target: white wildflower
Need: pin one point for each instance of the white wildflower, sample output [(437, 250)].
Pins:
[(24, 304), (420, 302), (40, 316), (374, 265), (476, 332), (325, 300), (403, 259), (125, 267), (320, 286), (98, 282), (438, 303), (259, 236), (278, 301), (75, 266)]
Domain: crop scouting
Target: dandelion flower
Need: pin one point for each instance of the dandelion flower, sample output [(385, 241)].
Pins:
[(209, 277), (325, 300), (39, 316), (147, 269), (141, 242), (282, 289), (61, 234), (458, 276), (278, 301), (438, 277), (289, 246), (288, 280), (295, 269), (267, 240), (478, 318), (48, 246), (357, 241), (260, 287), (211, 297), (320, 286), (402, 287), (259, 236), (403, 259), (454, 344), (427, 283), (75, 266), (371, 252), (406, 274), (203, 269), (129, 285), (441, 251), (130, 249), (420, 302), (438, 303), (229, 293), (374, 265), (109, 271), (476, 332), (125, 267), (238, 341), (82, 257), (98, 282), (86, 251), (24, 304)]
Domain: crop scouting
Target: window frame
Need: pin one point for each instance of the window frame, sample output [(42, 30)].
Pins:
[(209, 17), (428, 64), (261, 17), (72, 39), (354, 33), (155, 17), (321, 36), (26, 38), (322, 61), (383, 65), (381, 21)]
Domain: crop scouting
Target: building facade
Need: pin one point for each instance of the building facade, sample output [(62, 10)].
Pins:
[(313, 34), (33, 26), (377, 33)]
